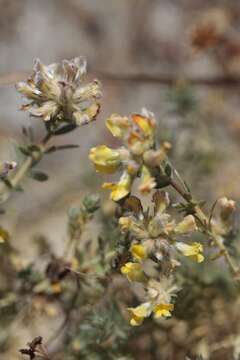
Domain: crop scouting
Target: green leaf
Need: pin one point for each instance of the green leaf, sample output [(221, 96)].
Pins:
[(19, 188), (39, 175), (168, 170), (24, 150), (65, 129), (162, 181), (53, 148)]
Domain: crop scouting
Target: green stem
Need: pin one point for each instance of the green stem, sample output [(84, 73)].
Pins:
[(203, 219), (96, 260), (12, 181)]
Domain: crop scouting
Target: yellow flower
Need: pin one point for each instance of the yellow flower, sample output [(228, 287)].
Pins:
[(138, 252), (120, 189), (147, 181), (163, 310), (118, 125), (146, 124), (186, 226), (194, 250), (105, 159), (139, 313), (4, 235), (133, 272)]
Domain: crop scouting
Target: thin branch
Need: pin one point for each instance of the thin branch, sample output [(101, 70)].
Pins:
[(135, 78), (170, 79), (12, 181), (204, 220)]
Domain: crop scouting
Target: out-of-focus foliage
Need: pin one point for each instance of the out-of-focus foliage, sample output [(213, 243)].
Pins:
[(152, 272)]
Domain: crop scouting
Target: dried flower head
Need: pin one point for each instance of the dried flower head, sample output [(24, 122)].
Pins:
[(210, 29), (56, 93), (6, 167)]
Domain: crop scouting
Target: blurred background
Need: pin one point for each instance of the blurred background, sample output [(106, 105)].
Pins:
[(146, 53)]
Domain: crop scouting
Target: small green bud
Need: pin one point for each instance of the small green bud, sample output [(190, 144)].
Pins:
[(91, 202)]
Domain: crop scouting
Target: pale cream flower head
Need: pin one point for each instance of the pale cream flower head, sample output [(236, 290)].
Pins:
[(56, 93)]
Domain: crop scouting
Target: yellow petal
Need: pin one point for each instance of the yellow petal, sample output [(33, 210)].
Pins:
[(117, 125), (193, 250), (105, 159), (133, 272), (120, 189), (136, 320), (4, 235), (138, 252), (147, 125), (139, 313), (200, 258), (163, 310)]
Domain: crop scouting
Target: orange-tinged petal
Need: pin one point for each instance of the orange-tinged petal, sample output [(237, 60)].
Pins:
[(147, 181), (147, 125)]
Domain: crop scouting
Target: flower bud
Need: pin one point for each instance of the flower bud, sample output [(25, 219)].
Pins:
[(227, 207), (91, 202), (186, 226)]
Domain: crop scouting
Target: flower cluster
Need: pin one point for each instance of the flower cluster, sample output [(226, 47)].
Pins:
[(159, 295), (56, 93), (154, 237), (138, 157)]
